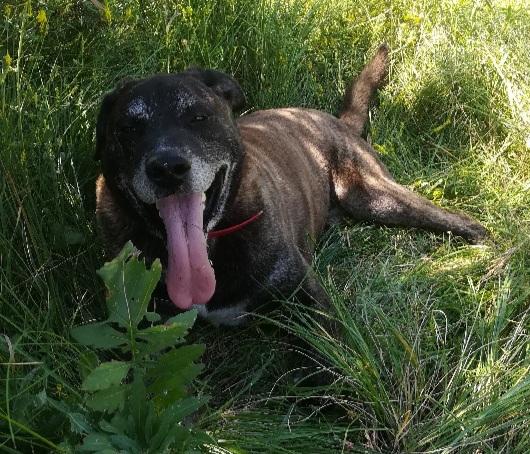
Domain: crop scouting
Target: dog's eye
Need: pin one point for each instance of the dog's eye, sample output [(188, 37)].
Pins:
[(198, 118), (132, 127), (129, 129)]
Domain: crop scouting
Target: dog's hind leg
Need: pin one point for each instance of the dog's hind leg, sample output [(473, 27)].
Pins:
[(364, 187), (367, 192)]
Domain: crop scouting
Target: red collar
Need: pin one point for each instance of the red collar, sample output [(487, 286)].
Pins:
[(234, 228)]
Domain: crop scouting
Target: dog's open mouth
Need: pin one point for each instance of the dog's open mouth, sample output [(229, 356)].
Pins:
[(190, 277), (213, 195)]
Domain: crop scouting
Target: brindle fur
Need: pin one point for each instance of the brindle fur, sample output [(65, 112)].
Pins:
[(298, 166)]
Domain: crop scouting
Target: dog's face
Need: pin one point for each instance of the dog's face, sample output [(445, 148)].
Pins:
[(170, 141), (172, 134)]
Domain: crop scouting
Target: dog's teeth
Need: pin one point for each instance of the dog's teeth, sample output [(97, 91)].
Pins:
[(203, 197)]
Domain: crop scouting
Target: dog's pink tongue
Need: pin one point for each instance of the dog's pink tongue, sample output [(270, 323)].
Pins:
[(190, 278)]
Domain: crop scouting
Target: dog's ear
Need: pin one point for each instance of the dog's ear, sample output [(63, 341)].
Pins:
[(104, 113), (222, 84)]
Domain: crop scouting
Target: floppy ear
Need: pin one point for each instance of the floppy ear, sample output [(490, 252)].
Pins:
[(104, 114), (222, 84)]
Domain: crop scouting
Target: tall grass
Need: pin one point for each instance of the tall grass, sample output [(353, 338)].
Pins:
[(432, 354)]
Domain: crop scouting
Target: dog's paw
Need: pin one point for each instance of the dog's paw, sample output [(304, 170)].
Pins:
[(475, 233)]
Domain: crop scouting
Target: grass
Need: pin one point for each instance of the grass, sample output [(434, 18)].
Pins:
[(434, 351)]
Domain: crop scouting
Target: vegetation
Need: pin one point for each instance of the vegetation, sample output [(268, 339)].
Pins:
[(434, 351), (137, 405)]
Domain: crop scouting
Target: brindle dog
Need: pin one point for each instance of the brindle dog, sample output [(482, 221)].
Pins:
[(177, 165)]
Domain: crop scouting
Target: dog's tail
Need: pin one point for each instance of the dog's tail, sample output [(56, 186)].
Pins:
[(358, 96)]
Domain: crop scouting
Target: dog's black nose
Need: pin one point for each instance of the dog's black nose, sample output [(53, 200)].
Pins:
[(167, 169)]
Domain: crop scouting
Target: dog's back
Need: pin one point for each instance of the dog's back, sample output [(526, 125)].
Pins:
[(295, 151)]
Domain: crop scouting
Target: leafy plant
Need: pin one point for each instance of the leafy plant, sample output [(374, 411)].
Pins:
[(136, 404)]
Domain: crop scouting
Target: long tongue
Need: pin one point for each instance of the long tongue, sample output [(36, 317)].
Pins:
[(190, 278)]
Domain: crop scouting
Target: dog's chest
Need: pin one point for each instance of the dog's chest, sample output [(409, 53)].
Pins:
[(228, 316)]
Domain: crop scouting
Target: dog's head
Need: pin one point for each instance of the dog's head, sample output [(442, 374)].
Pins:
[(170, 141), (172, 134)]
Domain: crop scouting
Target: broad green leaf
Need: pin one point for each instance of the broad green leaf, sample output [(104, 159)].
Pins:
[(129, 286), (137, 402), (127, 250), (106, 375), (170, 432), (119, 421), (125, 443), (202, 438), (95, 442), (151, 423), (88, 361), (172, 385), (98, 335), (175, 437), (186, 319), (79, 423), (60, 406), (167, 433), (108, 400), (176, 359), (159, 337), (185, 407), (173, 373), (152, 317), (169, 334), (109, 427)]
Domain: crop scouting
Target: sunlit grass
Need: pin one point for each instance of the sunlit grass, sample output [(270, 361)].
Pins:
[(432, 354)]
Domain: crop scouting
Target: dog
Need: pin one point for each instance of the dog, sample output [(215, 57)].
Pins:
[(232, 206)]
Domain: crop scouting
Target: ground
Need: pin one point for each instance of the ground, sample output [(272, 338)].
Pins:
[(434, 351)]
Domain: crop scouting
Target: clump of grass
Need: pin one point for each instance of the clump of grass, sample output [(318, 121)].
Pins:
[(421, 363), (432, 356)]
